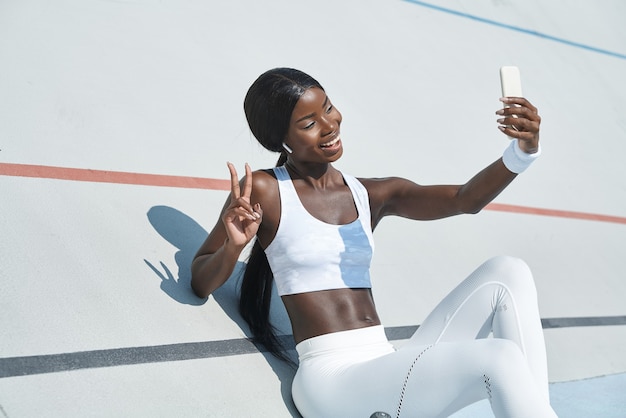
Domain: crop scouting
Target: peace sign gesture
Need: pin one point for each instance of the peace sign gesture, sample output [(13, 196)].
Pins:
[(241, 219)]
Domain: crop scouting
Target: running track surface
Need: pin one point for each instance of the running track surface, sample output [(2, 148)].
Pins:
[(85, 325)]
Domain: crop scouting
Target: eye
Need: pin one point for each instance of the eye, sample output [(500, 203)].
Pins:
[(309, 125), (329, 108)]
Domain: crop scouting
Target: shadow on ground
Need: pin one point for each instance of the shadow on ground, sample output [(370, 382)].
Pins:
[(187, 235)]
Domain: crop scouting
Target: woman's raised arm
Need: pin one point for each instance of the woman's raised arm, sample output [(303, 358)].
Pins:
[(401, 197), (238, 224)]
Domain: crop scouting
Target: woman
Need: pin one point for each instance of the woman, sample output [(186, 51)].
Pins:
[(313, 228)]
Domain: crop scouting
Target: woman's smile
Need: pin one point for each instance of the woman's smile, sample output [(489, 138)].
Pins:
[(333, 145)]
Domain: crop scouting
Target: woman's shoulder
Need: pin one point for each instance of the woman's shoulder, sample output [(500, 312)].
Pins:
[(264, 185), (263, 179)]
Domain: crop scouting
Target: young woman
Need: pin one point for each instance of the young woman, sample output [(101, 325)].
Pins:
[(313, 228)]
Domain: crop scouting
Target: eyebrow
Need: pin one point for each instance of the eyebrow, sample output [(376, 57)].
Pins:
[(310, 115)]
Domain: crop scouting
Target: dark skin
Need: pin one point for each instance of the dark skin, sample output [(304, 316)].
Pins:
[(253, 207)]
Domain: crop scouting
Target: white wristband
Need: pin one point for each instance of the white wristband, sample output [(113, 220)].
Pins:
[(517, 160)]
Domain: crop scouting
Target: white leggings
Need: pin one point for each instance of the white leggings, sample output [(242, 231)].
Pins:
[(447, 364)]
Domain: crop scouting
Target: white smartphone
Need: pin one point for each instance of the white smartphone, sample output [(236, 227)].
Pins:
[(511, 84)]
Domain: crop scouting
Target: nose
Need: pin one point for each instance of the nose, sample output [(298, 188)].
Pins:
[(330, 124)]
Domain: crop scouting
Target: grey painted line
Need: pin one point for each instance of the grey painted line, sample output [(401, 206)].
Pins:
[(590, 321), (52, 363)]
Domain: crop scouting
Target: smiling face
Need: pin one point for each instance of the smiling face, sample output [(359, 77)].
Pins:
[(313, 132)]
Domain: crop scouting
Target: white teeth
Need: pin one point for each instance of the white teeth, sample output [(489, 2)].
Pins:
[(333, 142)]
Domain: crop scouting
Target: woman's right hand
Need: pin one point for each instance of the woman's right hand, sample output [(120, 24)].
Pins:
[(241, 219)]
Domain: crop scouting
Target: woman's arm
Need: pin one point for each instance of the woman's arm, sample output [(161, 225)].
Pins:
[(239, 222), (401, 197)]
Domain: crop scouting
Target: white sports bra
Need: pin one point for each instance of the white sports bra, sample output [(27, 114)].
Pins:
[(309, 255)]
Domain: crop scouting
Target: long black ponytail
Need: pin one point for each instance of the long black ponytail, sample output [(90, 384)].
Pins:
[(255, 298), (268, 106)]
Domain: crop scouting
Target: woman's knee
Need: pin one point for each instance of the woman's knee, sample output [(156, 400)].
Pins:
[(512, 271), (508, 263)]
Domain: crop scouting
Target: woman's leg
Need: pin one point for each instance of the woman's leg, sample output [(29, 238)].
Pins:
[(448, 376), (444, 368), (420, 381), (498, 297)]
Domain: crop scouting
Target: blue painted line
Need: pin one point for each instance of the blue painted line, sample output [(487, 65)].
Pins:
[(517, 29)]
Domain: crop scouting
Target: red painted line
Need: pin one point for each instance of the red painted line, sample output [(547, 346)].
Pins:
[(500, 207), (160, 180), (118, 177)]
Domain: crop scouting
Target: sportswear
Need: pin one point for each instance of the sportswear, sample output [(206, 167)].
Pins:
[(483, 341), (309, 255), (516, 160)]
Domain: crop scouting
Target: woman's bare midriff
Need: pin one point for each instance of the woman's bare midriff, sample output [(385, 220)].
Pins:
[(326, 311)]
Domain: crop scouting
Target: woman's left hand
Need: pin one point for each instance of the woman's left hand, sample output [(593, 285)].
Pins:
[(520, 120)]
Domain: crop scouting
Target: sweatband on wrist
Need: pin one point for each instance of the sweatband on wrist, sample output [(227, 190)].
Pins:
[(517, 160)]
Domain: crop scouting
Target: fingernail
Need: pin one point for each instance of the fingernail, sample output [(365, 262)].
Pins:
[(502, 128), (500, 112), (501, 120)]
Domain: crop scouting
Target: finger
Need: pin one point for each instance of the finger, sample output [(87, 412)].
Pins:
[(242, 212), (510, 131), (234, 182), (243, 204), (519, 101), (519, 112), (519, 124), (247, 186), (519, 133), (258, 212)]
